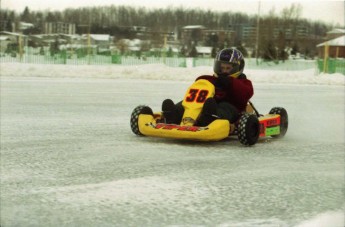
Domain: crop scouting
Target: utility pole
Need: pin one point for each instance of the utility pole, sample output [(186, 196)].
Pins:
[(257, 34), (89, 40), (165, 46)]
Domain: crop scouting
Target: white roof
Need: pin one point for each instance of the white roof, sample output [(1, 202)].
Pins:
[(203, 50), (132, 43), (175, 50), (27, 24), (76, 46), (12, 33), (194, 27), (134, 48), (340, 41), (337, 31), (3, 38), (135, 42), (100, 37)]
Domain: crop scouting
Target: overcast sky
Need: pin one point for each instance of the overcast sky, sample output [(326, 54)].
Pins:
[(316, 10)]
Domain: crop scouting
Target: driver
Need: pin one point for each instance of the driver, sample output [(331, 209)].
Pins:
[(232, 93)]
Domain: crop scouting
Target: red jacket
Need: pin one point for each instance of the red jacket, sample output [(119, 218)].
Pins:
[(237, 93)]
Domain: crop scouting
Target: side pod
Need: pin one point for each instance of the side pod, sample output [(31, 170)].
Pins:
[(217, 130)]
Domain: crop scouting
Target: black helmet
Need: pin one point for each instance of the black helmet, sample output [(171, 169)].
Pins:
[(229, 56)]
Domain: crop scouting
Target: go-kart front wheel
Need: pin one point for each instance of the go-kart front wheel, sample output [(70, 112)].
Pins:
[(284, 121), (135, 116), (248, 129)]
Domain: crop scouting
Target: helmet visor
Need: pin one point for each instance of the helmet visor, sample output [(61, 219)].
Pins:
[(224, 68)]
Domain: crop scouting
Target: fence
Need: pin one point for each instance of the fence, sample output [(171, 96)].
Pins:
[(331, 66), (93, 59)]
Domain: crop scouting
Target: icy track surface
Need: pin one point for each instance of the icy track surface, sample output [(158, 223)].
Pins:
[(69, 158)]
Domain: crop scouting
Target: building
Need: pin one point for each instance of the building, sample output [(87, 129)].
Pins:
[(59, 27), (23, 26), (192, 34), (334, 48), (225, 37), (4, 41), (101, 41), (46, 39), (12, 40), (247, 33), (203, 51)]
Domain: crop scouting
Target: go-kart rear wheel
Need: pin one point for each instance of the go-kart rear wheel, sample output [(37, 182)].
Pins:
[(248, 129), (284, 120), (135, 116)]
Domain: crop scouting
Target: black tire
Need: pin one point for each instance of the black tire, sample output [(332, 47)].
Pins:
[(284, 120), (248, 129), (135, 116)]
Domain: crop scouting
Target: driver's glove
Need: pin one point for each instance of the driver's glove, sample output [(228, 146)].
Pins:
[(223, 80)]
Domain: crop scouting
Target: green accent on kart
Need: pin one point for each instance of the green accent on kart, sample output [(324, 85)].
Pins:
[(271, 131)]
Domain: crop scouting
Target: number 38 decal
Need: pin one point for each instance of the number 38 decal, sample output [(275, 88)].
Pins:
[(197, 95)]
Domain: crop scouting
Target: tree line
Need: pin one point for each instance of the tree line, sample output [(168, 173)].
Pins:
[(113, 20)]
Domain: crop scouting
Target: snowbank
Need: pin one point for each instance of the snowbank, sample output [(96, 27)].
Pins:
[(162, 72), (327, 219)]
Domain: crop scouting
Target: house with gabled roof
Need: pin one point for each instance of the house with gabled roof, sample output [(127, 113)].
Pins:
[(12, 39), (334, 48)]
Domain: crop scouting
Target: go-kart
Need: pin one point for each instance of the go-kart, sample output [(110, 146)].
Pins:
[(249, 128)]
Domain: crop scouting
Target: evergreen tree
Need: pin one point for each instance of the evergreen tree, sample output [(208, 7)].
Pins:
[(270, 52), (9, 26), (26, 16)]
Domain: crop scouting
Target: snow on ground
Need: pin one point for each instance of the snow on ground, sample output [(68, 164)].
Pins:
[(162, 72), (68, 156), (328, 219)]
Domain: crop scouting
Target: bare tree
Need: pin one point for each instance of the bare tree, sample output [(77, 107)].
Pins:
[(292, 13)]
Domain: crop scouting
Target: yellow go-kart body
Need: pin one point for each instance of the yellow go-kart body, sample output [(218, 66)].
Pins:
[(193, 102), (249, 128)]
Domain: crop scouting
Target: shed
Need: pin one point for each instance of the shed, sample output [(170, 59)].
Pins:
[(4, 41), (204, 51), (334, 47)]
